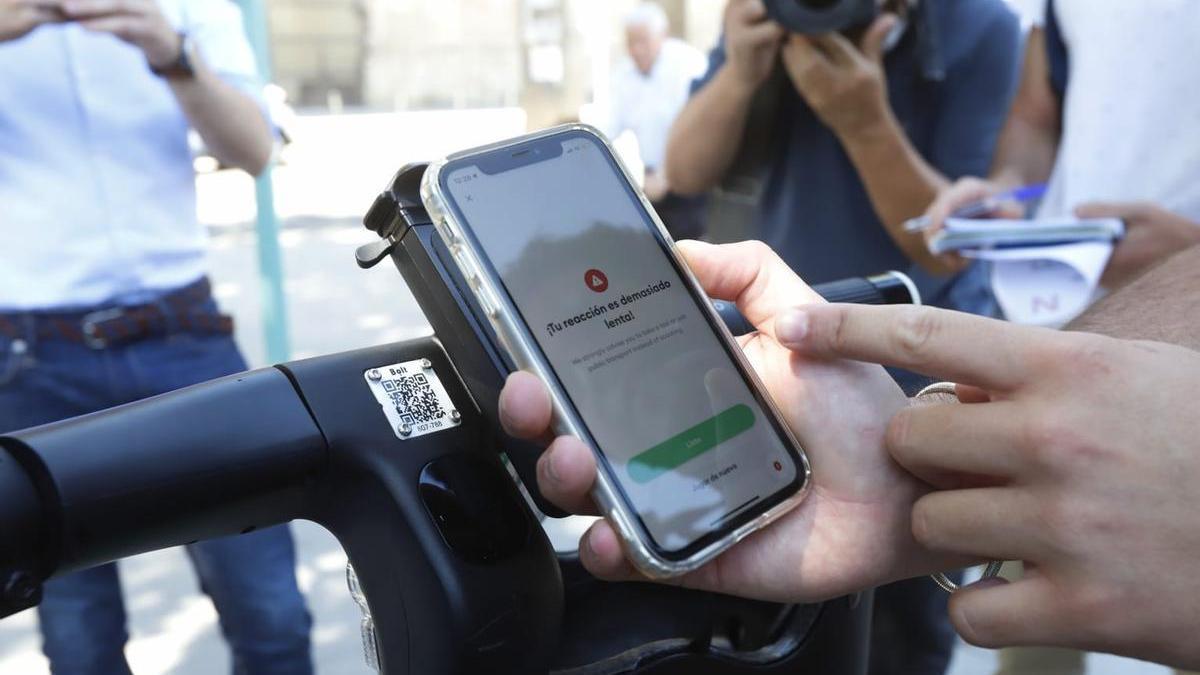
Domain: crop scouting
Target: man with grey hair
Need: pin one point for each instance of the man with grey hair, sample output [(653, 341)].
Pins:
[(648, 91)]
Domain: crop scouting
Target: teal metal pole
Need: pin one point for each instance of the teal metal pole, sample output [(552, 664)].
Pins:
[(266, 227)]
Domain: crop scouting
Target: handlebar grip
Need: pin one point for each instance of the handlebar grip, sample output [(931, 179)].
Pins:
[(211, 460), (890, 288), (22, 541)]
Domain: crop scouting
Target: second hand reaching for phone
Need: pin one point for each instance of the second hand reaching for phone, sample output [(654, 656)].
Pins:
[(981, 208)]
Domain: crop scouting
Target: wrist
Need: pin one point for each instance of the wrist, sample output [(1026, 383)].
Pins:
[(183, 66), (165, 49), (873, 130)]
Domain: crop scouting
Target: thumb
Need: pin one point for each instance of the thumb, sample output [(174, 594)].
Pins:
[(995, 613), (872, 43)]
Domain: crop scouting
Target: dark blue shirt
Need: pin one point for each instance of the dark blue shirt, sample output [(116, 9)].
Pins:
[(815, 211)]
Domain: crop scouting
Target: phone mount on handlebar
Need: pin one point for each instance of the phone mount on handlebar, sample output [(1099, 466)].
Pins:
[(396, 450)]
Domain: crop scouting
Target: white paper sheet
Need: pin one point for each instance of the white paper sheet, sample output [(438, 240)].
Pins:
[(1046, 286)]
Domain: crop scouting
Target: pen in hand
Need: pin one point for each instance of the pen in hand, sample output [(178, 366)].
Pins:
[(983, 207)]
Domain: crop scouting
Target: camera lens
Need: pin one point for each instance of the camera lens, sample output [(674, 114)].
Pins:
[(817, 4)]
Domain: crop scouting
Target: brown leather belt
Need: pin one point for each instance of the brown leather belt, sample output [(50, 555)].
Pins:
[(180, 311)]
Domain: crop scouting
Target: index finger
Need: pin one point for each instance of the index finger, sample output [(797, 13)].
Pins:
[(807, 57), (965, 191), (751, 11), (839, 50), (935, 342)]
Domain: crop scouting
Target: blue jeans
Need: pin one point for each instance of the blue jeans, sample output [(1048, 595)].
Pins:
[(250, 578)]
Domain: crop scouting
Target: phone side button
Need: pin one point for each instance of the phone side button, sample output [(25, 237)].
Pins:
[(486, 302), (465, 266), (448, 236)]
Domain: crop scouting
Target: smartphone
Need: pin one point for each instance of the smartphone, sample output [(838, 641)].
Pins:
[(584, 287)]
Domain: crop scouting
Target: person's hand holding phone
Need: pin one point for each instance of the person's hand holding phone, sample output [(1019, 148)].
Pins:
[(141, 23), (851, 533), (19, 17)]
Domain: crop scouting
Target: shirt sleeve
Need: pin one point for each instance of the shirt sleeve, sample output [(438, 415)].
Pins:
[(217, 30), (976, 97)]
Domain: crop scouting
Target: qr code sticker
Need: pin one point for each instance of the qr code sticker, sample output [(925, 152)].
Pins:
[(413, 398)]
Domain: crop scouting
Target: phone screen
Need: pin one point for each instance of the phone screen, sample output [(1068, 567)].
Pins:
[(692, 448)]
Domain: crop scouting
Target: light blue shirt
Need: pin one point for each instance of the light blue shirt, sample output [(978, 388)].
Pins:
[(97, 189), (647, 105)]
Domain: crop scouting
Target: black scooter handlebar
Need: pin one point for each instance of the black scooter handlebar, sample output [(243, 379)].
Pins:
[(222, 458), (459, 576)]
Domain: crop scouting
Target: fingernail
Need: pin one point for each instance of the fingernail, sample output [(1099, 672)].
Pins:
[(587, 544), (791, 327)]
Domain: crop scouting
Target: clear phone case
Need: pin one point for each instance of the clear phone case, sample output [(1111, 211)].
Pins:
[(519, 343)]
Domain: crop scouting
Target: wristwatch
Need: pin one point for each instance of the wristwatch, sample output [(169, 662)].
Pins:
[(181, 68)]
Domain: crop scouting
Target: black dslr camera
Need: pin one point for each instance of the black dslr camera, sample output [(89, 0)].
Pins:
[(823, 16)]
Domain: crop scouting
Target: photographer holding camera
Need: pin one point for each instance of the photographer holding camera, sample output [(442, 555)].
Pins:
[(863, 131), (863, 128)]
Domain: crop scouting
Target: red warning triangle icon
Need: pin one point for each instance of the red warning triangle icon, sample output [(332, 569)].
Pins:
[(596, 280)]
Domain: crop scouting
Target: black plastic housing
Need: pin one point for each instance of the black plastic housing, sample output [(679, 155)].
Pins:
[(437, 608), (305, 440)]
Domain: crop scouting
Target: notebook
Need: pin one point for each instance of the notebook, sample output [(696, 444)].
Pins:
[(969, 234)]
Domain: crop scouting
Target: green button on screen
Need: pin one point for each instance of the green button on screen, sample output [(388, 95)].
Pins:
[(690, 444)]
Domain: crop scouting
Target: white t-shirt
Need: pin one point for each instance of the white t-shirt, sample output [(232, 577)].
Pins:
[(647, 105), (1131, 117)]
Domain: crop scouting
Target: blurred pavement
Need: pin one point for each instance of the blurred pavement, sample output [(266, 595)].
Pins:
[(332, 173)]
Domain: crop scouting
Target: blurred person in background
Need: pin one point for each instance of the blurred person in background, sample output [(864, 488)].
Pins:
[(104, 297), (1107, 112), (860, 136), (648, 91)]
